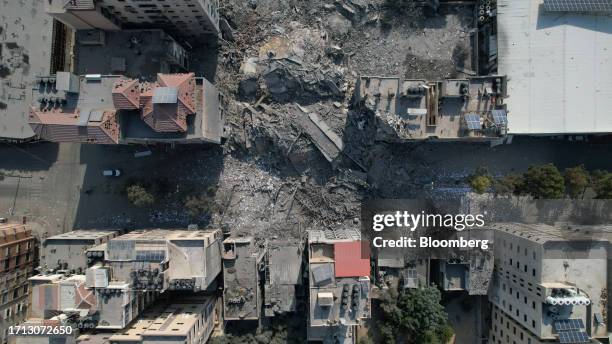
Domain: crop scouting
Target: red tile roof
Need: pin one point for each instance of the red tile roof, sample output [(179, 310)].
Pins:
[(126, 94), (348, 260), (169, 117), (57, 126)]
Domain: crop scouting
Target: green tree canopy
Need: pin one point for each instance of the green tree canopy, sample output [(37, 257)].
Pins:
[(416, 314), (508, 185), (603, 186), (480, 184), (543, 181), (576, 181)]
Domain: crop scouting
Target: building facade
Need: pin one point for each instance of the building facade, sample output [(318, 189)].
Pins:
[(188, 19), (339, 286), (18, 255), (549, 285)]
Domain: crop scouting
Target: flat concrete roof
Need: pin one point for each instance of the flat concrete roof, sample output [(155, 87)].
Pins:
[(542, 233), (84, 234), (559, 68), (25, 40)]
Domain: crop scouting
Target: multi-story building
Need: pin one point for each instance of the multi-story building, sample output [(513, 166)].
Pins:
[(158, 260), (17, 257), (452, 109), (339, 293), (121, 276), (186, 321), (110, 109), (550, 284), (189, 19), (66, 251)]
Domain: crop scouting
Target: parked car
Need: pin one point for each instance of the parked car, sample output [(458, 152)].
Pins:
[(111, 173)]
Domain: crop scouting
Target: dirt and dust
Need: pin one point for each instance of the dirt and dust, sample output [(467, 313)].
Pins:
[(299, 155)]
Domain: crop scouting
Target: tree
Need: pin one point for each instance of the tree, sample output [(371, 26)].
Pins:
[(576, 181), (417, 314), (480, 181), (603, 186), (508, 185), (139, 196), (543, 181), (480, 184)]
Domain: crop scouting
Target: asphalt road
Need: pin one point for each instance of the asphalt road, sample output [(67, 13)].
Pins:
[(46, 182)]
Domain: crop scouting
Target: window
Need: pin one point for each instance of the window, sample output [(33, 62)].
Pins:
[(533, 304), (533, 323), (533, 272)]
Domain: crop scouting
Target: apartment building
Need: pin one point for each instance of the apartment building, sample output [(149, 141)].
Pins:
[(339, 290), (188, 19), (550, 285), (18, 258), (188, 321), (110, 109), (66, 251), (157, 260)]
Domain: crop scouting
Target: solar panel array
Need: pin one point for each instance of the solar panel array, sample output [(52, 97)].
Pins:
[(500, 117), (568, 324), (573, 337), (578, 5), (473, 121)]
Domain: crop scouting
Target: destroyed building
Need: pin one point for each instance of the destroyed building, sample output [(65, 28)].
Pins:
[(339, 295), (184, 18), (108, 109), (551, 284), (451, 109), (284, 264), (66, 251), (242, 272)]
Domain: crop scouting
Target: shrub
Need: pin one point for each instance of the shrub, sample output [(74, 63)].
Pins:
[(139, 196)]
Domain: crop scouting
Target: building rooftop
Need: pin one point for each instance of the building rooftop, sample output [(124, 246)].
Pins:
[(559, 68), (27, 56), (133, 53), (541, 233), (110, 109), (407, 109), (348, 260), (13, 231), (177, 319), (330, 237), (83, 234)]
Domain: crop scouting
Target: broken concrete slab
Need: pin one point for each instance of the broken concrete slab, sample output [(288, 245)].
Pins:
[(321, 135), (226, 30)]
